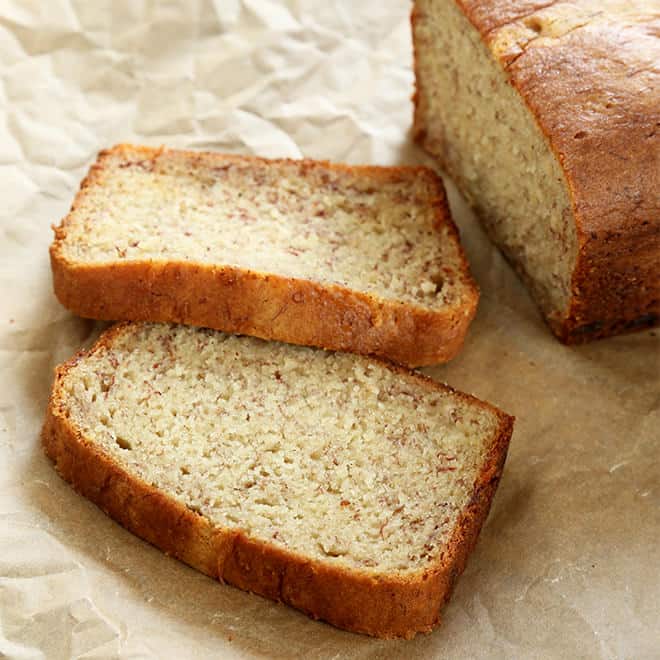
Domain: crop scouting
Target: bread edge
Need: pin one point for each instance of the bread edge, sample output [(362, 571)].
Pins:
[(268, 306), (387, 606), (588, 316)]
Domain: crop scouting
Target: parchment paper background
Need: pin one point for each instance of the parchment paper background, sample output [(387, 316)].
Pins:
[(568, 563)]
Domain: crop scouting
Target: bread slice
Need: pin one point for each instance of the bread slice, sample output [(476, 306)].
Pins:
[(361, 259), (346, 487), (546, 115)]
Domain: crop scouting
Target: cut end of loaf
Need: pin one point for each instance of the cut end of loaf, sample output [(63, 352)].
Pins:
[(494, 150), (362, 259), (371, 476)]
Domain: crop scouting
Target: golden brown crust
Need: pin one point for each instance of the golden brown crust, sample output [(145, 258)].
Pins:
[(386, 606), (265, 305), (591, 86)]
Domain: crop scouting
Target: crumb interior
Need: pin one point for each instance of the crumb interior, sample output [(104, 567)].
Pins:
[(477, 124), (332, 456), (350, 228)]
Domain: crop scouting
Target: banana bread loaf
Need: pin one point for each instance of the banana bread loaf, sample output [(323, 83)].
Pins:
[(546, 114)]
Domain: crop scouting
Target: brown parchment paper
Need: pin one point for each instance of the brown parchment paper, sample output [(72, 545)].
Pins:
[(567, 565)]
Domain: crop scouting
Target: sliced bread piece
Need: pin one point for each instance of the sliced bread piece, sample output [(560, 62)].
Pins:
[(546, 115), (361, 259), (344, 486)]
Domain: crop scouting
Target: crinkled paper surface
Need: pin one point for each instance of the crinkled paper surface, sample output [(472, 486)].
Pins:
[(567, 564)]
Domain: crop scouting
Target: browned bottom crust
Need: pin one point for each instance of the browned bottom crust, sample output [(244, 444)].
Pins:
[(386, 606), (613, 294), (570, 333), (265, 306)]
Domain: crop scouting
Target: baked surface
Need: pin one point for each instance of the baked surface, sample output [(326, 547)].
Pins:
[(362, 259), (210, 447), (586, 79)]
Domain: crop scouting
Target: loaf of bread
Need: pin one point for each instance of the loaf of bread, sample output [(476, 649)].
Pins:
[(360, 259), (546, 115), (346, 487)]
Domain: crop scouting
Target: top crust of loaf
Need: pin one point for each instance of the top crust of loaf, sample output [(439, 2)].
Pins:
[(424, 323), (588, 71)]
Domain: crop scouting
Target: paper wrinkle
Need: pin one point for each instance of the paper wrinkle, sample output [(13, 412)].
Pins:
[(45, 600), (565, 566)]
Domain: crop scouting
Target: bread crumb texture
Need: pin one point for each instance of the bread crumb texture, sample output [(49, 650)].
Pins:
[(335, 457), (382, 231), (475, 122)]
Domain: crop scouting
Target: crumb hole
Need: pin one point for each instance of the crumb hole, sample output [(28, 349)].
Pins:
[(123, 443), (534, 24), (438, 280)]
